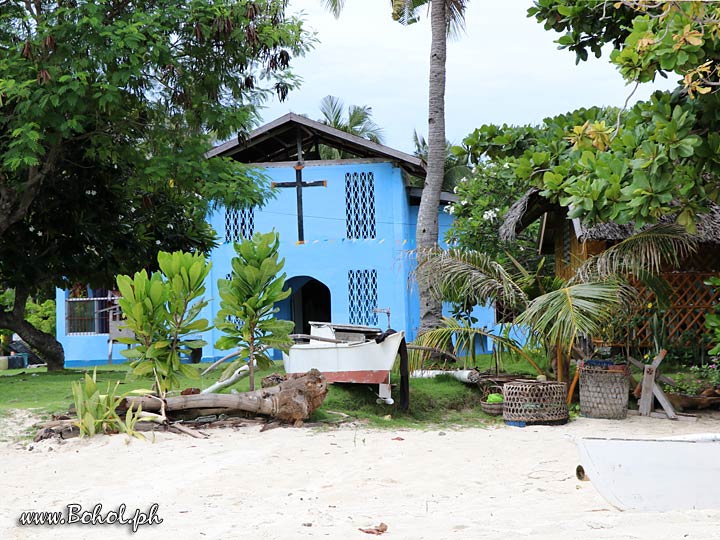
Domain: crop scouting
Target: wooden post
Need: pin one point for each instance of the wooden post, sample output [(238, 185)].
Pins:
[(575, 380), (651, 390), (646, 397)]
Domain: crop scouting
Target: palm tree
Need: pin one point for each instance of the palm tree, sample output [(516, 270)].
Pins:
[(446, 17), (357, 122), (598, 293)]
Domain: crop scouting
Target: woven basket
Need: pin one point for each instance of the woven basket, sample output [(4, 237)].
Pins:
[(493, 409), (535, 402), (603, 393)]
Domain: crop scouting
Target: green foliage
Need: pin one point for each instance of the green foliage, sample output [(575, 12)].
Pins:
[(492, 185), (598, 295), (712, 320), (455, 171), (661, 157), (163, 313), (495, 398), (246, 316), (696, 379), (105, 110), (580, 309), (96, 412), (40, 314)]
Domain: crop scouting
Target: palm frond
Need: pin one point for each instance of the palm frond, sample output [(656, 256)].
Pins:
[(331, 108), (360, 123), (471, 277), (455, 14), (644, 252), (420, 145), (407, 11), (581, 309), (464, 337), (333, 6)]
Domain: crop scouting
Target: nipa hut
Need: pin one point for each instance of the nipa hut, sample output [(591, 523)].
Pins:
[(570, 243)]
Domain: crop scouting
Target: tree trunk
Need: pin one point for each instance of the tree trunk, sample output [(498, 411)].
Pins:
[(49, 348), (16, 196), (427, 222), (293, 400)]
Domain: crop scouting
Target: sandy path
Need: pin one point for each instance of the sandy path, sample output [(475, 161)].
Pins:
[(495, 483)]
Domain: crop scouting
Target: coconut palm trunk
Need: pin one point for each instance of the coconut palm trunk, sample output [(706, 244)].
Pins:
[(445, 16), (427, 221)]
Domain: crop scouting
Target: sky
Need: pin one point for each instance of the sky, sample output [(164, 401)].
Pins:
[(505, 68)]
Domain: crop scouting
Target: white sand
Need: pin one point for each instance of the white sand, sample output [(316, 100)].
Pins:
[(496, 483)]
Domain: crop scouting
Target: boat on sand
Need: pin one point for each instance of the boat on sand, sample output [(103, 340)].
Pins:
[(665, 474)]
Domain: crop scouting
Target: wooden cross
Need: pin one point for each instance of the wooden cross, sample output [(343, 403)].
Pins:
[(298, 184)]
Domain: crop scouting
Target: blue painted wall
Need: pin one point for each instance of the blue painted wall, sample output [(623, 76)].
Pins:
[(327, 254)]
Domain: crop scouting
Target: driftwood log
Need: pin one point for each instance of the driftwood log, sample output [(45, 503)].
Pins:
[(293, 400)]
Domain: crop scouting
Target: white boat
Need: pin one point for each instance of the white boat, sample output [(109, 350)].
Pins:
[(674, 473), (348, 354)]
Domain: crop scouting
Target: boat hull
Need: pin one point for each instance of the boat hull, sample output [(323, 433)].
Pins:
[(677, 473), (360, 362)]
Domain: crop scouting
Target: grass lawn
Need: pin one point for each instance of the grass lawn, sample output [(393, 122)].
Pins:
[(442, 400)]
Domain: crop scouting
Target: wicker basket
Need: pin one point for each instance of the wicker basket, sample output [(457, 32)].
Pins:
[(603, 393), (535, 402), (493, 409)]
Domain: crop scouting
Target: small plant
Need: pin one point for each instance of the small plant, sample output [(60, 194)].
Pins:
[(96, 412), (163, 313), (247, 309)]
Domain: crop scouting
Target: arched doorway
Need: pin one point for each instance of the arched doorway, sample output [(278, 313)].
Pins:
[(309, 301)]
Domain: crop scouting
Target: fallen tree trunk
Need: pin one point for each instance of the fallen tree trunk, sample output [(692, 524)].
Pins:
[(293, 400)]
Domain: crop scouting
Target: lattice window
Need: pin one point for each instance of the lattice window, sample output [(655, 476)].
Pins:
[(682, 325), (239, 224), (362, 296), (87, 316), (360, 205)]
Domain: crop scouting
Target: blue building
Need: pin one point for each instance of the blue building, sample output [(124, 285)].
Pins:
[(346, 226)]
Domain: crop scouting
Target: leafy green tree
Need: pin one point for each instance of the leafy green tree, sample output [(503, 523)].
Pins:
[(163, 313), (105, 108), (488, 190), (661, 157), (247, 309)]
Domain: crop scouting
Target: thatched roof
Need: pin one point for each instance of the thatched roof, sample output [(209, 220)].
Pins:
[(523, 212), (532, 206)]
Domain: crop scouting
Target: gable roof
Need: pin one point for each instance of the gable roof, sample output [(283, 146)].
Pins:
[(278, 141), (532, 205)]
